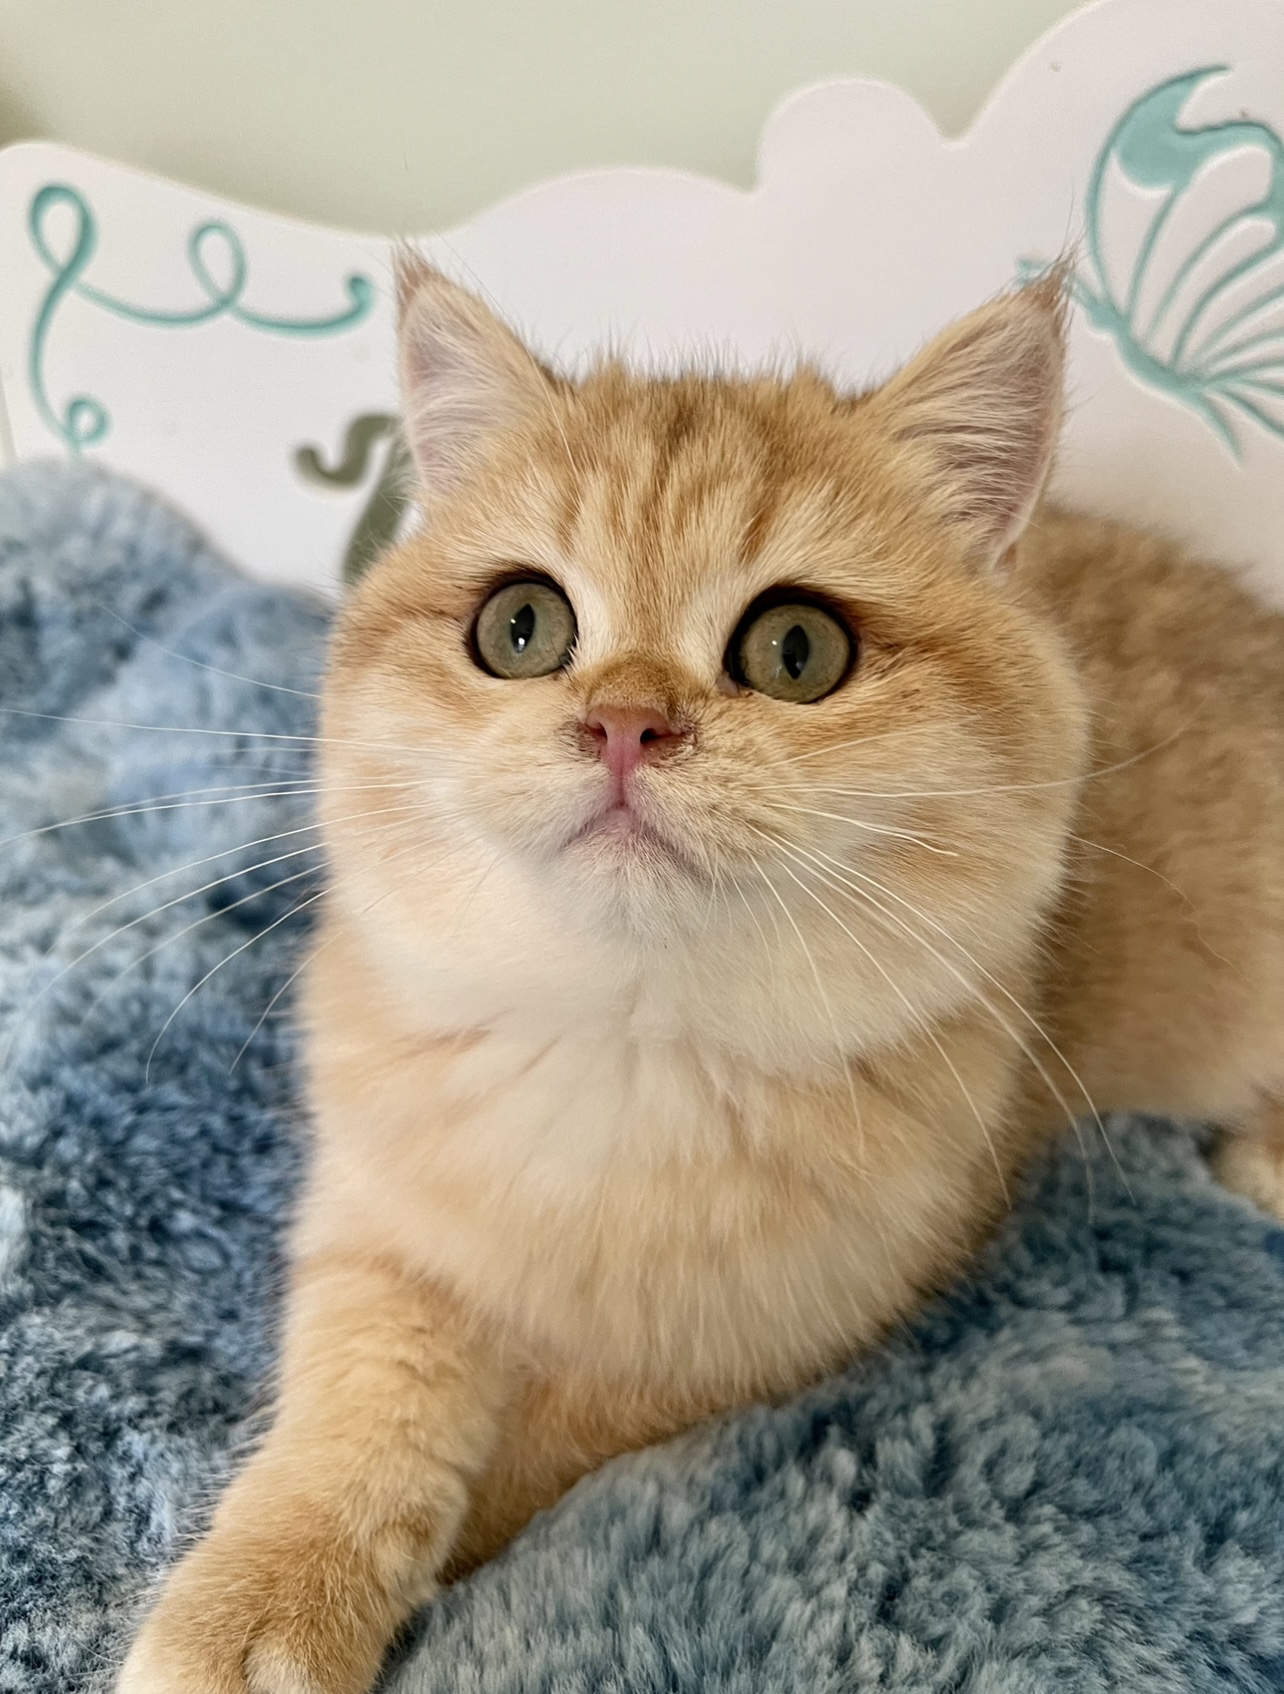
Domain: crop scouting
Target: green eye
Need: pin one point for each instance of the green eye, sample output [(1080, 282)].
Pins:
[(791, 651), (525, 629)]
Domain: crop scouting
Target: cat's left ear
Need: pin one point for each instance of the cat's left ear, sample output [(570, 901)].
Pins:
[(464, 375), (977, 415)]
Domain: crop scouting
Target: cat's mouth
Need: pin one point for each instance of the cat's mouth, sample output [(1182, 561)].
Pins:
[(619, 828)]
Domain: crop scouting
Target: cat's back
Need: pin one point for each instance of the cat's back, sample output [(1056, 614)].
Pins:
[(1141, 612), (1166, 976)]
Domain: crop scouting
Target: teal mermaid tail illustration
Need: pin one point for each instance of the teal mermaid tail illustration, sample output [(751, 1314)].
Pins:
[(380, 519)]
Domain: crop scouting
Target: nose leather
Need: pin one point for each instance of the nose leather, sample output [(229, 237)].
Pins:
[(629, 736)]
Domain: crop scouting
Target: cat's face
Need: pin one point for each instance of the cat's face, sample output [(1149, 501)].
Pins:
[(704, 698)]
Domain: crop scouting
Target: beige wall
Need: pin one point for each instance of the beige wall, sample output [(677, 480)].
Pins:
[(406, 115)]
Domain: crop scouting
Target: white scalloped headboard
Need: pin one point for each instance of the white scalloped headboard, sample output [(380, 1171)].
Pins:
[(242, 363)]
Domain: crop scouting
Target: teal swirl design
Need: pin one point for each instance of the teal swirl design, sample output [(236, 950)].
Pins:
[(1204, 324), (84, 421)]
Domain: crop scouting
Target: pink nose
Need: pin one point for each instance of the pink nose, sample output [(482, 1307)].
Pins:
[(628, 736)]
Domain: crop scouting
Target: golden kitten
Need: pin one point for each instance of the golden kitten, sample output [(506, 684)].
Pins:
[(777, 824)]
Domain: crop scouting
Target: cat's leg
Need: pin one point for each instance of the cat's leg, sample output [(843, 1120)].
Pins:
[(1250, 1158), (336, 1530), (556, 1431)]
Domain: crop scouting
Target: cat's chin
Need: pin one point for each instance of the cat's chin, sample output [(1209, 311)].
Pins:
[(620, 836)]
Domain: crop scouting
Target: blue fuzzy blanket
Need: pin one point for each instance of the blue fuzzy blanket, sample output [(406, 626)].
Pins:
[(1069, 1474)]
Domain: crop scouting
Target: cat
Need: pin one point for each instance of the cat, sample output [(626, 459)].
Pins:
[(784, 820)]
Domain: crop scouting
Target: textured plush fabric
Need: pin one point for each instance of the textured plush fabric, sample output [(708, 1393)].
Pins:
[(1067, 1475)]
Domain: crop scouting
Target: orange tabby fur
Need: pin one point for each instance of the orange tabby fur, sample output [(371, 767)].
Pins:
[(609, 1136)]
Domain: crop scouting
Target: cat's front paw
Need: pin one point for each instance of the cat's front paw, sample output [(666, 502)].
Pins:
[(288, 1608)]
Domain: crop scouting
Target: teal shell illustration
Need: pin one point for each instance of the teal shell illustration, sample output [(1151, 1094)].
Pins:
[(1196, 309), (218, 263)]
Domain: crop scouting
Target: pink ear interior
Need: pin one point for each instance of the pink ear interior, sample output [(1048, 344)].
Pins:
[(464, 374), (980, 409)]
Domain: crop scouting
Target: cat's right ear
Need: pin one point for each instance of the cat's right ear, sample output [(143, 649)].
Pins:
[(975, 417), (464, 374)]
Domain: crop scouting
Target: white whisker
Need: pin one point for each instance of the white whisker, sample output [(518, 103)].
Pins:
[(189, 798), (199, 664), (244, 736), (1003, 787), (214, 969), (856, 741), (178, 900), (919, 1022), (319, 948), (840, 1046), (846, 871), (873, 828), (220, 911), (196, 923)]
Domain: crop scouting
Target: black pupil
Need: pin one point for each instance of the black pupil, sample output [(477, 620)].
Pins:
[(795, 650), (521, 626)]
